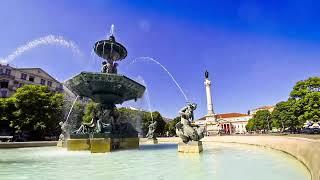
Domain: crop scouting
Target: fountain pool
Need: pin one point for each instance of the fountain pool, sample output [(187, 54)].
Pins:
[(162, 162)]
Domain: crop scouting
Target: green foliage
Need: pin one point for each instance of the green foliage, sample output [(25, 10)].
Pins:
[(302, 105), (260, 121), (171, 126), (147, 120), (302, 88), (37, 110), (251, 125), (283, 116), (89, 111), (7, 107), (310, 107)]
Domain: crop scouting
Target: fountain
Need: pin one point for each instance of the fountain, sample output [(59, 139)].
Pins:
[(105, 133)]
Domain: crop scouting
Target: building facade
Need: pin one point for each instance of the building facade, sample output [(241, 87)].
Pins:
[(233, 123), (254, 111), (227, 123), (12, 78)]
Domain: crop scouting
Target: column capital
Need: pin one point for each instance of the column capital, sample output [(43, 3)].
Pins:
[(207, 82)]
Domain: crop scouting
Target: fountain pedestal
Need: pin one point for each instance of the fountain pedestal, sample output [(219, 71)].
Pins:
[(100, 145), (190, 147), (129, 143), (62, 144), (151, 141), (78, 144)]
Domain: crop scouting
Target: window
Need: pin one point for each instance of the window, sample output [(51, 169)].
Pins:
[(49, 83), (8, 71), (23, 76), (4, 84), (20, 85), (31, 78), (43, 82), (1, 71)]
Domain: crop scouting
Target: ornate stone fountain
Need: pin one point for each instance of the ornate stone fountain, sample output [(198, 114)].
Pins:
[(105, 133)]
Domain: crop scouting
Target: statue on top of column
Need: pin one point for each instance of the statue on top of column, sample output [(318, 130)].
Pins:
[(206, 74)]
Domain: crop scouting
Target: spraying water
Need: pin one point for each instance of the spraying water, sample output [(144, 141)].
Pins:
[(147, 97), (112, 30), (74, 102), (153, 60), (46, 40)]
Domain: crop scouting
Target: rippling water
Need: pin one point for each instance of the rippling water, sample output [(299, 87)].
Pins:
[(161, 162)]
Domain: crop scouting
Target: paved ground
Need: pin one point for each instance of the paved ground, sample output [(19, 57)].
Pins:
[(308, 136)]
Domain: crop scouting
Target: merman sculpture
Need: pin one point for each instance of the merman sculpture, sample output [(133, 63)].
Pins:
[(184, 129), (151, 133)]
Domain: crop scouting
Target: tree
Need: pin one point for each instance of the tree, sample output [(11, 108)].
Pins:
[(38, 111), (310, 107), (89, 111), (171, 126), (302, 88), (142, 119), (260, 121), (147, 120), (283, 115), (303, 104), (7, 107), (251, 125), (305, 98), (160, 123)]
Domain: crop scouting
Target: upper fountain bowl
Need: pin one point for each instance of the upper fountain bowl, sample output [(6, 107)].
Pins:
[(105, 88), (110, 49)]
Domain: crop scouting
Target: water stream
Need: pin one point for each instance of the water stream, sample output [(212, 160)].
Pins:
[(74, 102), (164, 68), (46, 40)]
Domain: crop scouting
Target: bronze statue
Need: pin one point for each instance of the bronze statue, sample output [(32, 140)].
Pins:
[(151, 133), (62, 136), (184, 129), (206, 74), (109, 66)]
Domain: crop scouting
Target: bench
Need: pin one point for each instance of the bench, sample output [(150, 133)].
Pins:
[(6, 138)]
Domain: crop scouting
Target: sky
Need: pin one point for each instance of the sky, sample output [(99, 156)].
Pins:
[(255, 51)]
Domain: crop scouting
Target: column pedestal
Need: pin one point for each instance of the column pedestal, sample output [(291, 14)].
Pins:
[(190, 147)]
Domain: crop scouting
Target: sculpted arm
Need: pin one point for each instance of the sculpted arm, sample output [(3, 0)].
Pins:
[(183, 110)]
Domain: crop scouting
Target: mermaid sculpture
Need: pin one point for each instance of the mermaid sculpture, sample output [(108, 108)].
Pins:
[(184, 129)]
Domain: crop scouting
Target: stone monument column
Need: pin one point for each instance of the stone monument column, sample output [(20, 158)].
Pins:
[(207, 84)]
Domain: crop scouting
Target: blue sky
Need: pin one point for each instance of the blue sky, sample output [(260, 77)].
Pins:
[(255, 51)]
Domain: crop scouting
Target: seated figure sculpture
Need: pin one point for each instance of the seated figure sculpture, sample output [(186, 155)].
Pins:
[(88, 127), (103, 121), (62, 136), (184, 129), (109, 67), (152, 127)]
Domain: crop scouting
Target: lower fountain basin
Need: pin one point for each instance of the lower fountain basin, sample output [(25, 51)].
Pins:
[(218, 161), (105, 88)]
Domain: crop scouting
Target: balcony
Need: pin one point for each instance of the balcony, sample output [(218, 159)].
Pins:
[(4, 75)]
